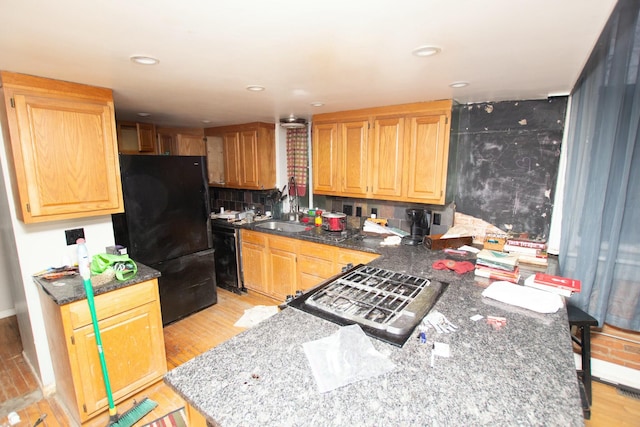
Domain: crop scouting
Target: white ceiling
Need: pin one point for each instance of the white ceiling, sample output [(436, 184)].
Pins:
[(345, 53)]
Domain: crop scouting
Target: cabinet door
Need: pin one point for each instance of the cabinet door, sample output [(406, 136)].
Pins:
[(167, 144), (388, 147), (189, 145), (65, 156), (427, 160), (231, 148), (354, 164), (215, 160), (254, 262), (325, 158), (146, 137), (249, 159), (283, 273), (282, 266), (130, 341)]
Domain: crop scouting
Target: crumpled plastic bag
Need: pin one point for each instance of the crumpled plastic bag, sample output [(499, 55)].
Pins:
[(344, 358)]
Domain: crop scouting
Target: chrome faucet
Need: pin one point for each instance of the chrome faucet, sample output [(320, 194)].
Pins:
[(293, 206)]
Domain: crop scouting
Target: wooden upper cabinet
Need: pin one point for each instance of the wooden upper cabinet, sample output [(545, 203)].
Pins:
[(354, 162), (181, 141), (64, 148), (427, 158), (325, 158), (398, 152), (215, 160), (248, 152), (231, 153), (191, 145), (136, 138), (249, 158), (388, 146)]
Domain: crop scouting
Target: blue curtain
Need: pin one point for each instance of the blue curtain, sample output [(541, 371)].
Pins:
[(600, 237)]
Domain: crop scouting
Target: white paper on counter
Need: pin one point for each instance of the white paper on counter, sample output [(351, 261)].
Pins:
[(255, 315), (344, 358), (524, 296)]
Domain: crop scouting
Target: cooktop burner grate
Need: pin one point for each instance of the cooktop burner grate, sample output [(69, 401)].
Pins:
[(386, 304)]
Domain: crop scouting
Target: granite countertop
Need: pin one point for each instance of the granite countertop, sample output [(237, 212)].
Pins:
[(521, 374), (71, 288)]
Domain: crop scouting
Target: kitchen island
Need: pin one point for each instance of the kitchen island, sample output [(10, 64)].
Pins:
[(520, 374)]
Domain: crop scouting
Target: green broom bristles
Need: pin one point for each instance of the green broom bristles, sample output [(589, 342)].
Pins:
[(133, 415)]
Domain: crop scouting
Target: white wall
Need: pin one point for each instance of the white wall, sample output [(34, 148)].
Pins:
[(36, 247), (8, 255)]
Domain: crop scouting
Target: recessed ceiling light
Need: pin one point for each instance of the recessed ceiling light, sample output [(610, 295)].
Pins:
[(144, 60), (426, 51), (317, 104), (206, 121), (255, 88), (459, 84), (144, 114)]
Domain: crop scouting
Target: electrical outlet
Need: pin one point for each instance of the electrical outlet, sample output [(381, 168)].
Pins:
[(436, 219), (74, 235), (347, 210), (358, 211)]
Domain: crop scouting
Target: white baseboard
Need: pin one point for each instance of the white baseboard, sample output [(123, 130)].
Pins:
[(7, 313), (611, 372)]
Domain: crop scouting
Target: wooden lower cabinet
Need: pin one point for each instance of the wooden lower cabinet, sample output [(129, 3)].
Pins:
[(131, 330), (279, 266), (282, 256), (254, 261)]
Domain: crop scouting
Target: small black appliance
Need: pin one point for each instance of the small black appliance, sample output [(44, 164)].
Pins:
[(420, 220)]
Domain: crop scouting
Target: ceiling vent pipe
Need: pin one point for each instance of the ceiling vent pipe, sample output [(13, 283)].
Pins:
[(293, 122)]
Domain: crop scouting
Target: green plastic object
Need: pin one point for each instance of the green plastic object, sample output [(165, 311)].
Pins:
[(125, 268)]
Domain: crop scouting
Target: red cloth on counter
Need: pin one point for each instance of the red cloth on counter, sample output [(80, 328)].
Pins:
[(459, 267)]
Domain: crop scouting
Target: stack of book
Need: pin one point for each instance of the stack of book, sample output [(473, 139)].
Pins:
[(532, 254), (496, 265), (556, 284)]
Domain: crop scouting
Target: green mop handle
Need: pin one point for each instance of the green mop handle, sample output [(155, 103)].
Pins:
[(94, 318), (84, 267)]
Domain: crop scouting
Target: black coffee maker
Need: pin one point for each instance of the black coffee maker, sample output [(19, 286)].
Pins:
[(420, 221)]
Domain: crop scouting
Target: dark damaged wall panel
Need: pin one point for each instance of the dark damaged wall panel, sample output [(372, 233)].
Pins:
[(507, 162)]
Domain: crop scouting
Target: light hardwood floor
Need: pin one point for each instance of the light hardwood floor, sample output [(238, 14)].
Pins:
[(188, 338)]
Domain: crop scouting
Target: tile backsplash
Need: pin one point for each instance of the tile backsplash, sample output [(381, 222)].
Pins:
[(357, 210)]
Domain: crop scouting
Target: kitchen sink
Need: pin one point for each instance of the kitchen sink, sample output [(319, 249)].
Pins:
[(283, 226)]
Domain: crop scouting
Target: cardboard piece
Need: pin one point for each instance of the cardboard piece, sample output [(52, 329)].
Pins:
[(436, 243)]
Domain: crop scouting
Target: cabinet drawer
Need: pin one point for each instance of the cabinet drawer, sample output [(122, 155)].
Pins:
[(284, 244), (318, 251), (316, 267), (254, 237), (113, 302), (346, 256)]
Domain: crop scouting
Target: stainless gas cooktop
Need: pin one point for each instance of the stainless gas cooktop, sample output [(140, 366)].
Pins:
[(387, 305)]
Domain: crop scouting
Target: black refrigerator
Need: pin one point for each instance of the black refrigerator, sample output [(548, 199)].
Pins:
[(166, 225)]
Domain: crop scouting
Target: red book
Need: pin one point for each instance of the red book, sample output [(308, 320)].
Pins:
[(572, 285), (496, 274), (524, 243)]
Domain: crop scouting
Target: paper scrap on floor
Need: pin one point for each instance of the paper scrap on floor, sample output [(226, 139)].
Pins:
[(255, 315)]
